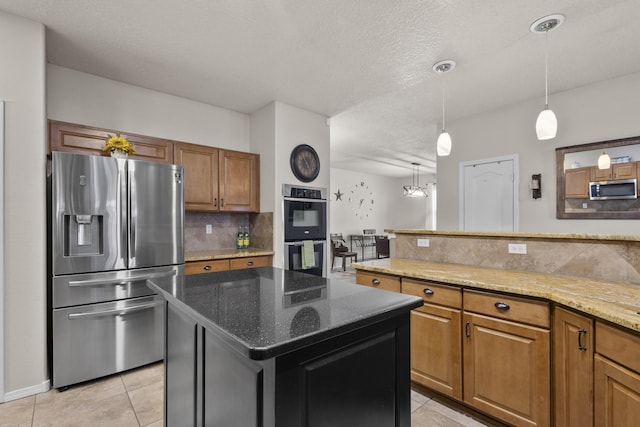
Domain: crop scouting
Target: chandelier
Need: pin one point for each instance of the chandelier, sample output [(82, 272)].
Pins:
[(414, 190)]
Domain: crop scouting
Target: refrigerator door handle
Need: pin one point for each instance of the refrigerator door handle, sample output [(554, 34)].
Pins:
[(95, 282), (116, 311)]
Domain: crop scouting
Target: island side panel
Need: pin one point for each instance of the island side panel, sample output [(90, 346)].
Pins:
[(360, 378), (180, 369)]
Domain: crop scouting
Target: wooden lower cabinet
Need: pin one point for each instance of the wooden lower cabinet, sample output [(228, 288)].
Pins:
[(436, 347), (378, 280), (506, 364), (573, 350), (616, 377), (198, 267)]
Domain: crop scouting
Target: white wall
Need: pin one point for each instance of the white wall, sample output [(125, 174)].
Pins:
[(22, 85), (89, 100), (390, 209), (598, 112)]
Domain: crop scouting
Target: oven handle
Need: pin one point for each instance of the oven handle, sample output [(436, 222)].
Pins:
[(300, 243), (302, 199), (116, 311)]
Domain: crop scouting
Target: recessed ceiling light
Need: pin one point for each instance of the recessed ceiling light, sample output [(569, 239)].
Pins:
[(547, 23)]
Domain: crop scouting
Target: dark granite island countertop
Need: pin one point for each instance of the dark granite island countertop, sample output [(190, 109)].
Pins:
[(264, 312), (269, 347)]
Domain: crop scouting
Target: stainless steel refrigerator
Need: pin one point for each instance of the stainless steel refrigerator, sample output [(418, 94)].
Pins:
[(114, 223)]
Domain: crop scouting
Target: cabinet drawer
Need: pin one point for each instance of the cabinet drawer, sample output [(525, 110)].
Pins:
[(197, 267), (377, 280), (433, 293), (618, 345), (508, 307), (249, 262)]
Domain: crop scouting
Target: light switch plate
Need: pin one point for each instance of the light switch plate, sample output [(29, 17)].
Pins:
[(518, 248), (209, 228), (423, 243)]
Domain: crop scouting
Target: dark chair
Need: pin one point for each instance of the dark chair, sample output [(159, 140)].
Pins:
[(339, 249), (382, 247)]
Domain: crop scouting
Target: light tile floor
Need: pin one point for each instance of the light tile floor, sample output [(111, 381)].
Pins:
[(135, 398)]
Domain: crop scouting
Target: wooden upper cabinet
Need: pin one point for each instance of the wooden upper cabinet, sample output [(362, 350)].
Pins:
[(626, 170), (200, 175), (239, 181), (86, 139), (576, 183), (219, 180)]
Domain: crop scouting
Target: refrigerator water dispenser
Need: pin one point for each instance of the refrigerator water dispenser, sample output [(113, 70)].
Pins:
[(83, 235)]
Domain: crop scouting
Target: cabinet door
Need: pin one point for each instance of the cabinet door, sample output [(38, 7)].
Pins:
[(573, 368), (85, 139), (507, 370), (239, 181), (601, 174), (436, 349), (624, 170), (200, 176), (576, 183), (617, 395)]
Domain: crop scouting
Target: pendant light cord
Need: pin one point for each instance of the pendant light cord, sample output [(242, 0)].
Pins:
[(546, 69), (443, 103)]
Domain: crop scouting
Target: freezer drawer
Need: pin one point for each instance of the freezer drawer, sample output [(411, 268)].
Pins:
[(110, 286), (95, 340)]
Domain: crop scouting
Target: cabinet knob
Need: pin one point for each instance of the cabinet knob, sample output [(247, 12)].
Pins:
[(502, 305), (249, 263), (207, 267), (376, 282), (428, 291)]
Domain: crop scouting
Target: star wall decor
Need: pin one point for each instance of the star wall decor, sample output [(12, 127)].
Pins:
[(338, 195)]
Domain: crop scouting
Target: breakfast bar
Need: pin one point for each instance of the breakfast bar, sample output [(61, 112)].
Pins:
[(272, 347)]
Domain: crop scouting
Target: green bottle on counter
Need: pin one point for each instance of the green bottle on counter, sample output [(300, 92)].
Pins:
[(240, 239)]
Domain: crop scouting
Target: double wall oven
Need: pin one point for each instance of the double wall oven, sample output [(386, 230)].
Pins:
[(305, 225)]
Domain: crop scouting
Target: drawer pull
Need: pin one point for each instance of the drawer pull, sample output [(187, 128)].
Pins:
[(249, 263), (581, 333), (502, 305), (375, 282), (428, 291), (207, 267)]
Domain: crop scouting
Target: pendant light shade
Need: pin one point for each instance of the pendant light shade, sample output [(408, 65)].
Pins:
[(547, 124), (443, 146), (604, 161)]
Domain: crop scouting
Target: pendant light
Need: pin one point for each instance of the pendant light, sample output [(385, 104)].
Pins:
[(547, 123), (414, 190), (604, 161), (443, 146)]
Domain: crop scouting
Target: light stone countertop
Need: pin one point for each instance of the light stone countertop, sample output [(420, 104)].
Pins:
[(550, 236), (616, 302), (212, 254)]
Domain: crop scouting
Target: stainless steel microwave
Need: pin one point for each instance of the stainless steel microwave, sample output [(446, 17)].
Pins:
[(614, 190)]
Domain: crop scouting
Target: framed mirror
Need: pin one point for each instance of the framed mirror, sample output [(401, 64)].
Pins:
[(587, 191)]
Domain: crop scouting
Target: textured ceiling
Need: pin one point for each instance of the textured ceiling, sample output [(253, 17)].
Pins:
[(364, 63)]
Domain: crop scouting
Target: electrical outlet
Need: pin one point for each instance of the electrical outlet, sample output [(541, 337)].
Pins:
[(517, 248), (209, 228), (423, 243)]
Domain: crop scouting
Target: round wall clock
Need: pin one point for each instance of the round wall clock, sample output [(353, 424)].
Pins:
[(361, 199), (305, 163)]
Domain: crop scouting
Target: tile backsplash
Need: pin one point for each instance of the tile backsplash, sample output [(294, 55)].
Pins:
[(605, 260), (224, 227)]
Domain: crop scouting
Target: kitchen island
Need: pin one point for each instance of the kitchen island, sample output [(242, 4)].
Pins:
[(271, 347)]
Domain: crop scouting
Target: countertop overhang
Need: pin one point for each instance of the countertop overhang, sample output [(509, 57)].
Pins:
[(615, 302), (265, 312)]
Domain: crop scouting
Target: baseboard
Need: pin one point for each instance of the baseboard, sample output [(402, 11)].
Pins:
[(27, 391)]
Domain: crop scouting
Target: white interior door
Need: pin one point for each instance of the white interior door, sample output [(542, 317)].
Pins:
[(489, 195)]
